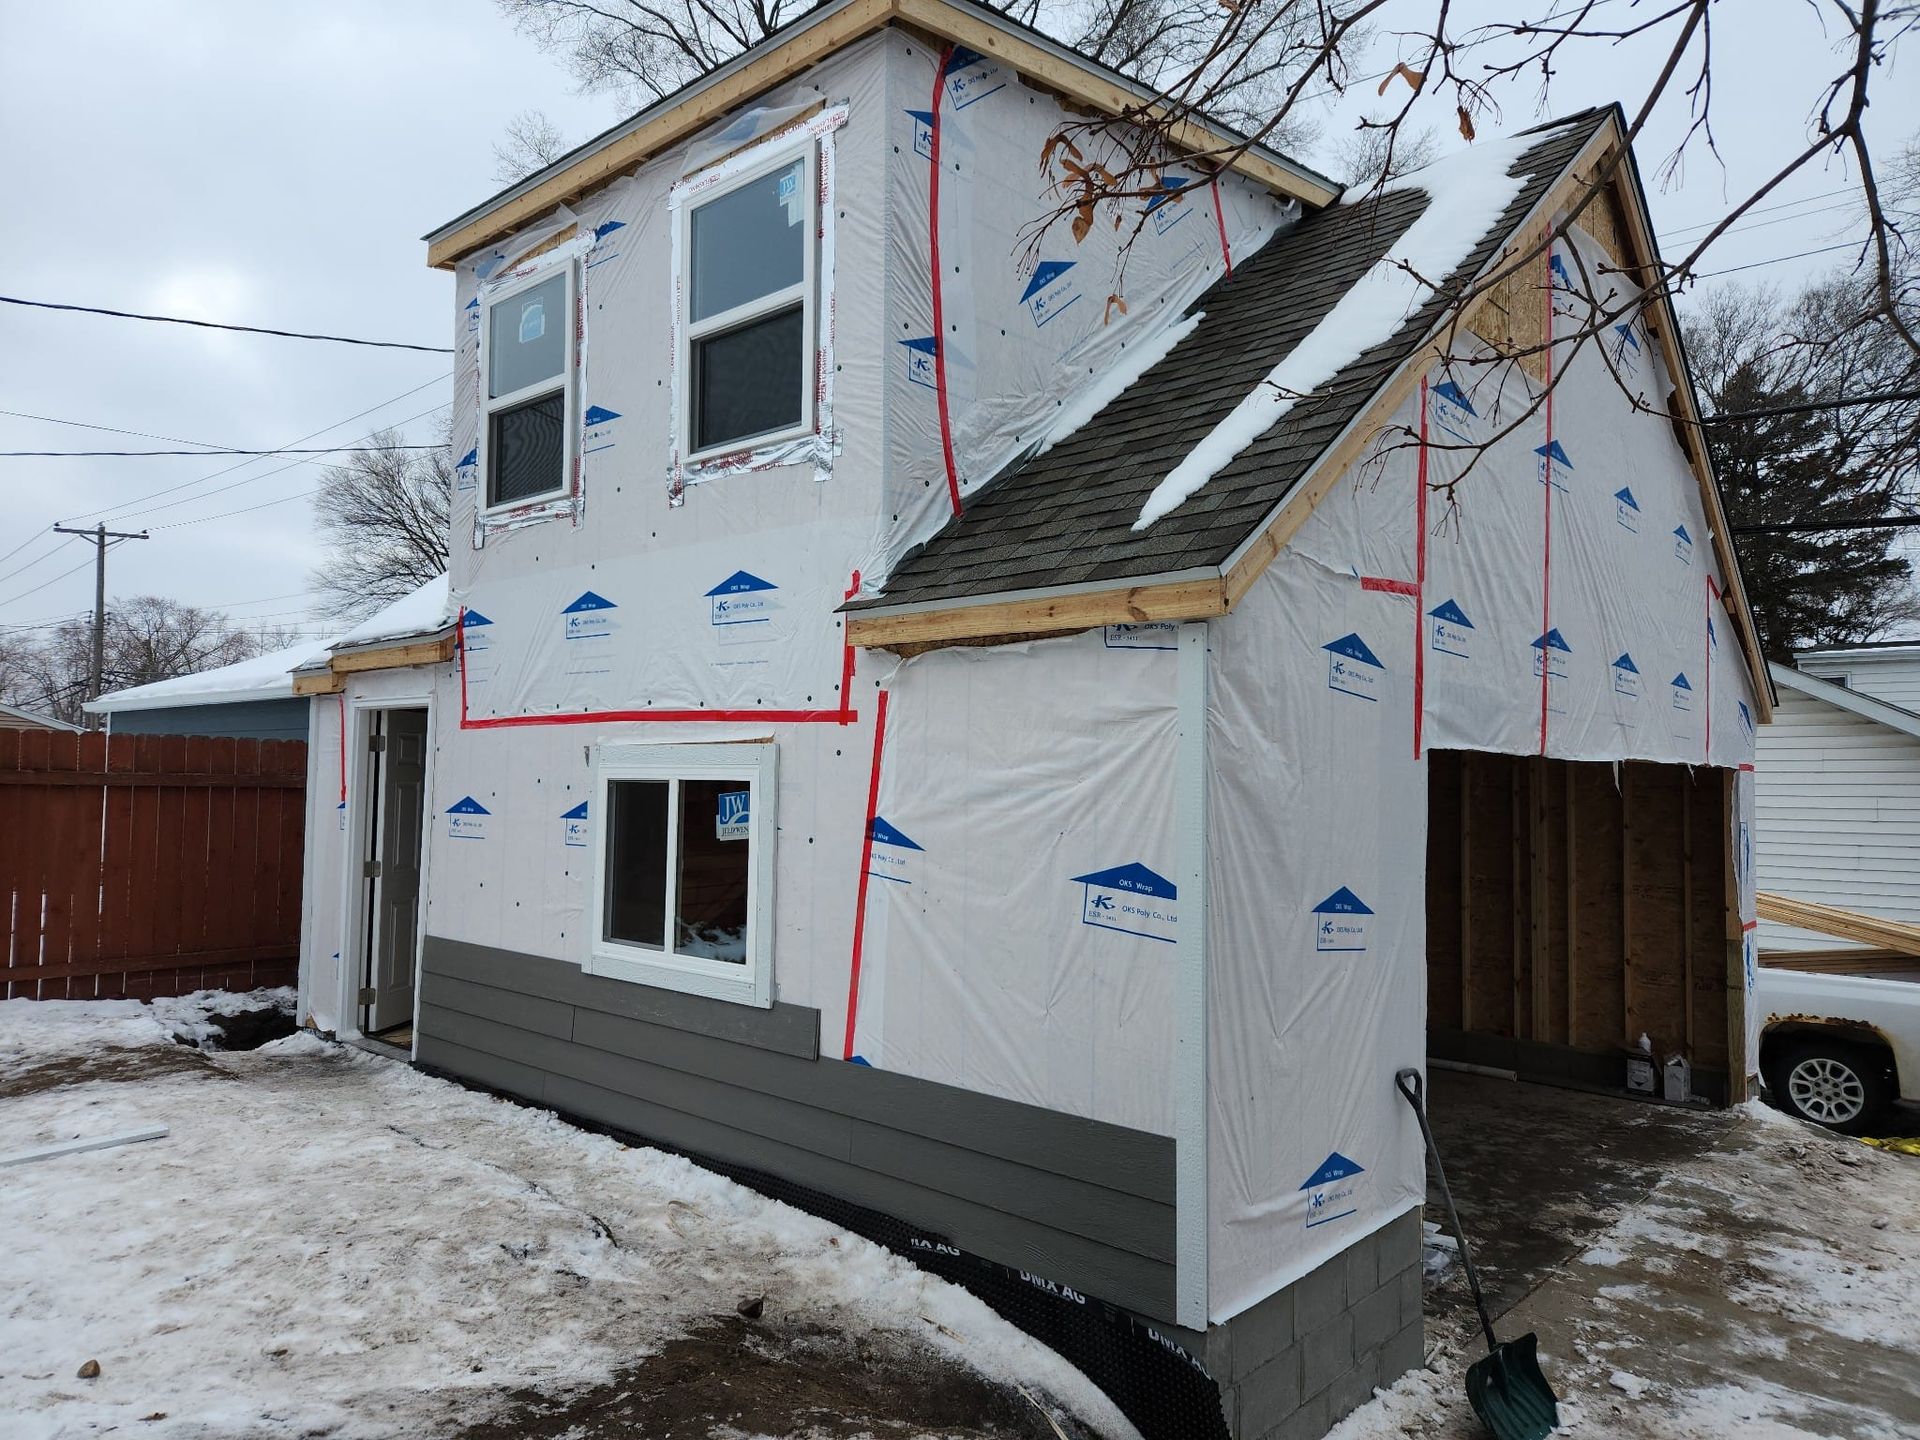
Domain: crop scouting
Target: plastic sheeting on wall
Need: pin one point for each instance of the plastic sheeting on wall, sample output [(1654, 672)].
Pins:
[(1568, 605)]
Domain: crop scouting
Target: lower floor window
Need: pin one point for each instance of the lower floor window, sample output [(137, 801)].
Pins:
[(683, 874)]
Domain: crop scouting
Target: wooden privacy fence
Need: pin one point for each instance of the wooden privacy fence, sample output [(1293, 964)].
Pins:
[(149, 864)]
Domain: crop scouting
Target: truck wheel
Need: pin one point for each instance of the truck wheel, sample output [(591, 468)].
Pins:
[(1841, 1086)]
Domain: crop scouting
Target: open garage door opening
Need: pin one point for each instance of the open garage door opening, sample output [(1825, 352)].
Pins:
[(1574, 908)]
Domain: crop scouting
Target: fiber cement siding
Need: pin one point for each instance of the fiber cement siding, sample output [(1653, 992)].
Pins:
[(1084, 1203)]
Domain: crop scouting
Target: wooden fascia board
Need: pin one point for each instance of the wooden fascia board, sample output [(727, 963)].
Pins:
[(1042, 614), (318, 682), (1693, 443), (788, 58), (394, 657)]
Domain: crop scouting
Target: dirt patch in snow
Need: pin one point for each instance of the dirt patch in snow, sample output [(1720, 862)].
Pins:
[(736, 1376), (106, 1066)]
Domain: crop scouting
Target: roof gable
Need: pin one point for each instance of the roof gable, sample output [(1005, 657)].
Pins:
[(1894, 717)]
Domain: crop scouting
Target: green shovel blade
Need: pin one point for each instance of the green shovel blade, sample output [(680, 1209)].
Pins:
[(1510, 1394)]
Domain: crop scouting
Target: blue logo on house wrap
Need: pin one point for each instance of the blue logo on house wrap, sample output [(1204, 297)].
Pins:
[(1166, 205), (1150, 635), (607, 227), (920, 357), (1342, 922), (972, 77), (1626, 349), (742, 599), (922, 133), (1352, 668), (1626, 510), (573, 825), (1557, 266), (601, 252), (473, 315), (733, 814), (1626, 677), (1682, 692), (892, 853), (1682, 545), (1131, 899), (476, 633), (1553, 463), (1746, 719), (1550, 652), (1453, 412), (467, 819), (466, 470), (1050, 291), (1452, 631), (588, 618), (1330, 1190), (599, 422)]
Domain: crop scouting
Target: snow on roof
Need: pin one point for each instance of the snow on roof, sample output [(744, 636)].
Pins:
[(427, 611), (1466, 194), (265, 677)]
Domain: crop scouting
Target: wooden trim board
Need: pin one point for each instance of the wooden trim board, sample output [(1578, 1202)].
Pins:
[(783, 58), (1892, 935), (1178, 600)]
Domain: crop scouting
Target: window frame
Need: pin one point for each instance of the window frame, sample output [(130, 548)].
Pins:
[(566, 385), (757, 767), (780, 154)]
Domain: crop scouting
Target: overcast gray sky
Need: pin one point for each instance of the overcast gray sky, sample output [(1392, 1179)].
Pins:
[(275, 164)]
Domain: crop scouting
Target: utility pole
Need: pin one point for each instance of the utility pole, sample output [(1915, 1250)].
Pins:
[(99, 535)]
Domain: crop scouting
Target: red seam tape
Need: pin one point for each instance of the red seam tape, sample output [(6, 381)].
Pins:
[(1220, 223), (866, 864), (1420, 580), (1546, 545)]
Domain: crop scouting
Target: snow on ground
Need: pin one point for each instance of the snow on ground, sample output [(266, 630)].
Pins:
[(1466, 194), (1767, 1289), (331, 1243), (189, 1017)]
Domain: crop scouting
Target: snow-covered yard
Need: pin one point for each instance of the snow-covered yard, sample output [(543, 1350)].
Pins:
[(330, 1244)]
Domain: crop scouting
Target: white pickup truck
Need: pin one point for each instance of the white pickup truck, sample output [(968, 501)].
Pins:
[(1839, 1049)]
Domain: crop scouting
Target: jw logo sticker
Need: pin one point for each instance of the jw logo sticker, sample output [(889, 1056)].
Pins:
[(599, 422), (1051, 290), (1352, 668), (1626, 677), (1626, 510), (1342, 922), (467, 819), (588, 618), (1331, 1190), (1451, 630), (1131, 899), (892, 854), (1167, 207), (1682, 545), (922, 133), (920, 355), (466, 474), (573, 826), (1682, 692), (1554, 464), (1452, 412), (972, 77), (1153, 635), (733, 814), (533, 321)]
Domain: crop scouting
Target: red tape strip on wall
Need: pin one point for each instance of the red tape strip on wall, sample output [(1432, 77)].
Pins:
[(866, 864), (933, 252)]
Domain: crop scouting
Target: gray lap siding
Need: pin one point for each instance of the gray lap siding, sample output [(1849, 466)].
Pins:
[(1077, 1201)]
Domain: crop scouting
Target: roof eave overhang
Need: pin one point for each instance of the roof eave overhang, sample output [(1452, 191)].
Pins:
[(1868, 707), (1195, 594), (400, 652), (803, 43)]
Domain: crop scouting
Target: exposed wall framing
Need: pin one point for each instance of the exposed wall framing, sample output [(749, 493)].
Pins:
[(1582, 905)]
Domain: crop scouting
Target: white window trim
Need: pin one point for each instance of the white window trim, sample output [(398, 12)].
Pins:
[(567, 385), (778, 157), (757, 767)]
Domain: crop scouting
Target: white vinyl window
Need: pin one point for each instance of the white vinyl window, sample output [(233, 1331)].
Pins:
[(683, 868), (747, 308), (526, 360)]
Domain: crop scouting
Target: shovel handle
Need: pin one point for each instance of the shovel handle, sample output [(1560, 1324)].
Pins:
[(1413, 1086)]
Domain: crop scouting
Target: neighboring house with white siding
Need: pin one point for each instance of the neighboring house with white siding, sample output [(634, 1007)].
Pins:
[(1838, 790)]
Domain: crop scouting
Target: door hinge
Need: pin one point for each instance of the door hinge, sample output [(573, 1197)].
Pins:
[(368, 995), (377, 743), (369, 869)]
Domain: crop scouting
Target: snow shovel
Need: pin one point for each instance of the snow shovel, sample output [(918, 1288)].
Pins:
[(1507, 1389)]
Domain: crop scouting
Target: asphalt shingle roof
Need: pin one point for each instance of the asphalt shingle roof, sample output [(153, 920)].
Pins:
[(1065, 518)]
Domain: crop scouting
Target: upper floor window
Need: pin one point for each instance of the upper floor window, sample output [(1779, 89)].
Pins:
[(747, 297), (527, 362)]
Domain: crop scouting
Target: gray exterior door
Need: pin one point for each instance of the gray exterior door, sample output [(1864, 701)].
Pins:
[(398, 832)]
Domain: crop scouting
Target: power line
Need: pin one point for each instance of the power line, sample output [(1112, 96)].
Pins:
[(217, 325), (1885, 397), (1876, 522), (206, 445), (44, 583), (1679, 230), (37, 560), (1779, 260), (135, 454)]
